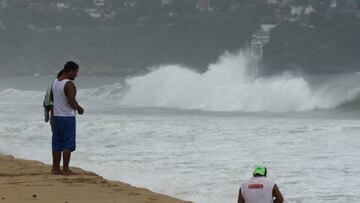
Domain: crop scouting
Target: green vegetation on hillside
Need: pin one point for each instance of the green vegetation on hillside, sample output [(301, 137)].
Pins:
[(331, 45), (127, 39), (192, 39)]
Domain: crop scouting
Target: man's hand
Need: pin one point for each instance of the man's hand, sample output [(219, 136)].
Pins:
[(80, 110)]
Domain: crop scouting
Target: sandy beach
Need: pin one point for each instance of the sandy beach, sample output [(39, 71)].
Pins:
[(23, 181)]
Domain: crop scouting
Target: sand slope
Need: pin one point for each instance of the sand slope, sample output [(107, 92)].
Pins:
[(23, 181)]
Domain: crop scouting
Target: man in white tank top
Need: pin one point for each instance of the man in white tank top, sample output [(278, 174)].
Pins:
[(259, 190), (63, 118)]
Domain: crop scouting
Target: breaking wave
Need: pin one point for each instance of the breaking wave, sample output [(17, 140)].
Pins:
[(231, 84)]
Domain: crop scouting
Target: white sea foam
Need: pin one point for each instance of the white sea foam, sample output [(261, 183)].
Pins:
[(230, 85)]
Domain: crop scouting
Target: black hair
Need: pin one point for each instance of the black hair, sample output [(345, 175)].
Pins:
[(265, 172), (60, 73), (70, 66)]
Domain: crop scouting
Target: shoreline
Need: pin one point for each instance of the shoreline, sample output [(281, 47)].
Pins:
[(31, 181)]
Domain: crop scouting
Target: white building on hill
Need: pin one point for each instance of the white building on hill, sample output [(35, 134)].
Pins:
[(203, 5), (296, 10), (3, 4), (99, 2), (260, 38), (333, 4)]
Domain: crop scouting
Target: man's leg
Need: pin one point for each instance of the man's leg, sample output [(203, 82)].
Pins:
[(56, 163), (69, 144), (56, 145), (66, 162)]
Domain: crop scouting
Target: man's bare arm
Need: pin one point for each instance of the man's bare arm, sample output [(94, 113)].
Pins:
[(240, 198), (70, 92), (277, 194)]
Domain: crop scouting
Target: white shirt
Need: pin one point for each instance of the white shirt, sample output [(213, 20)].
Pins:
[(257, 190), (61, 104)]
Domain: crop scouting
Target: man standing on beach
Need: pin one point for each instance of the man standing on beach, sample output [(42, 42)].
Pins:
[(259, 190), (64, 124)]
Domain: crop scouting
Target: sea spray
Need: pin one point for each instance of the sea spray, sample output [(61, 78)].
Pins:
[(231, 84)]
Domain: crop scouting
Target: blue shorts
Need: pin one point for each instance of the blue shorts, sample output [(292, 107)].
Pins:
[(64, 130)]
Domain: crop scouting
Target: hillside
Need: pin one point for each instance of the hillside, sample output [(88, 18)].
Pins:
[(133, 35), (330, 45), (192, 39)]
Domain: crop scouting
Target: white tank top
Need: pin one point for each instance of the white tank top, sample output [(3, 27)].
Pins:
[(257, 190), (61, 106)]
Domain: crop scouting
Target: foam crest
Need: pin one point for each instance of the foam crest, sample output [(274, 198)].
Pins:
[(230, 84)]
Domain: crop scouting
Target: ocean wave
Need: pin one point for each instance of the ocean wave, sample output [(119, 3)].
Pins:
[(353, 104), (231, 84), (16, 95)]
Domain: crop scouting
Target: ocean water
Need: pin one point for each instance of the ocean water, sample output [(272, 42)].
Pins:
[(197, 136)]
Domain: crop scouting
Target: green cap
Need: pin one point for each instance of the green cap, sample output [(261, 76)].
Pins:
[(261, 170)]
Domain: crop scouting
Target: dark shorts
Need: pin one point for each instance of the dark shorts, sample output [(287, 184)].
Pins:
[(64, 130)]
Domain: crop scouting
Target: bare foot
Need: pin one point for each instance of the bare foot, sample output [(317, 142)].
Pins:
[(56, 172), (69, 172)]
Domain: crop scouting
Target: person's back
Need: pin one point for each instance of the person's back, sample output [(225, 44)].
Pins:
[(259, 189), (61, 104)]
